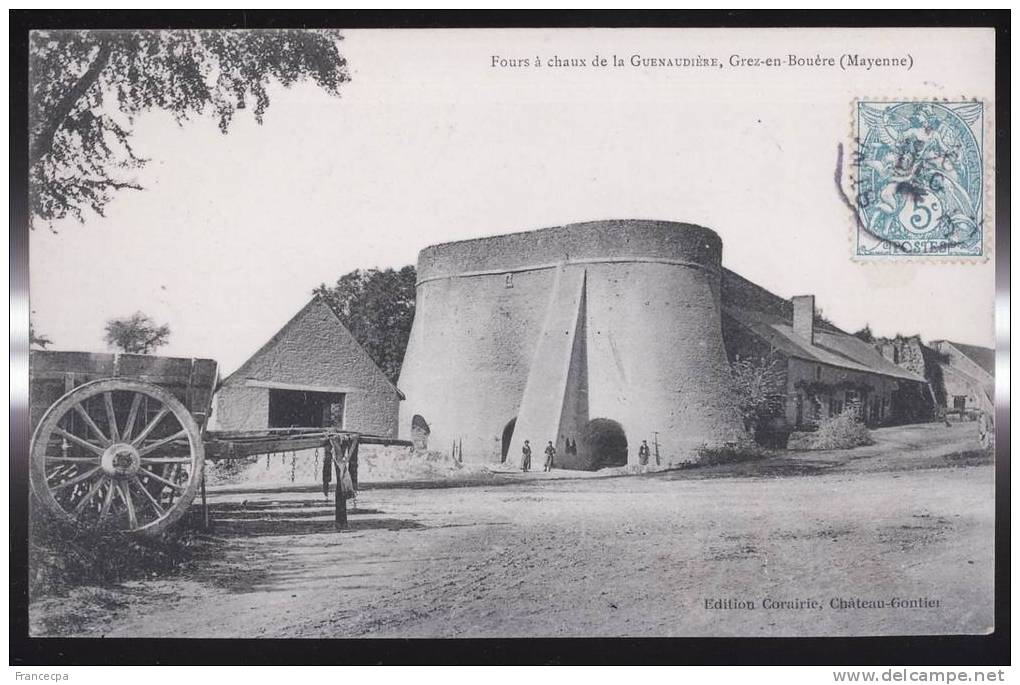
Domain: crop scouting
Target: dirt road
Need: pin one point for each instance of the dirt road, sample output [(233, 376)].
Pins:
[(699, 552)]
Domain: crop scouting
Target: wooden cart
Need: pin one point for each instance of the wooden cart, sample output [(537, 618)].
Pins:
[(120, 440)]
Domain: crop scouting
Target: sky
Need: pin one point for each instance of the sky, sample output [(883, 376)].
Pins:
[(430, 143)]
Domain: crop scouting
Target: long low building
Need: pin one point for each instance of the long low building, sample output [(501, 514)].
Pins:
[(598, 336), (822, 368)]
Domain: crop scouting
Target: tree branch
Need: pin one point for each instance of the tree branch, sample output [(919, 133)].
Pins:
[(43, 142)]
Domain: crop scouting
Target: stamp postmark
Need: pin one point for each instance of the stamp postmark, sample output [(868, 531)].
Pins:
[(920, 179)]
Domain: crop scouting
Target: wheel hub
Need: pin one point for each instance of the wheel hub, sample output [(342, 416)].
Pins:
[(121, 460)]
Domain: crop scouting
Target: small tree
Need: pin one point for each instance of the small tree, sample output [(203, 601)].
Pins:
[(758, 383), (136, 334), (865, 334)]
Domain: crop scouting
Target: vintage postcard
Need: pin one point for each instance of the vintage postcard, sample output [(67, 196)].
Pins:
[(501, 333)]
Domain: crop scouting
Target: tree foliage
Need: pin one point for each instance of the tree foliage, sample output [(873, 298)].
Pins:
[(137, 334), (865, 334), (87, 87), (377, 307), (758, 384)]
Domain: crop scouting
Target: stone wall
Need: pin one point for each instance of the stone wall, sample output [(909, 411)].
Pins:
[(636, 304)]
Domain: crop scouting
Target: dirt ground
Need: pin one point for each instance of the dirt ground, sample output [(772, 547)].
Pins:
[(691, 552)]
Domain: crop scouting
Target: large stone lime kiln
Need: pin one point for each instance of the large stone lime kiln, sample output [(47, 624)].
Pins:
[(594, 336)]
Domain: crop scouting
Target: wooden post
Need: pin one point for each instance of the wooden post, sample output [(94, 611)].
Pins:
[(343, 448), (655, 435), (205, 506), (341, 501)]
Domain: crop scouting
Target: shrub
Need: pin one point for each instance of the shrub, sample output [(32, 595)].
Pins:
[(842, 431), (731, 453), (758, 396), (61, 556)]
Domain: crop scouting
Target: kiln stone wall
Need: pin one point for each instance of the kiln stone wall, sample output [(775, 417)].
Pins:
[(614, 320)]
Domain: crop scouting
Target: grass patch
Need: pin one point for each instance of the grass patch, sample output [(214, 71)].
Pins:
[(61, 556), (731, 453)]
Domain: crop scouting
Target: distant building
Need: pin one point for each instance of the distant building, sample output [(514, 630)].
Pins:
[(311, 373), (968, 372), (962, 377)]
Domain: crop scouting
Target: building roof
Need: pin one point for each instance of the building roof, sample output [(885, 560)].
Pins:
[(834, 349), (770, 317), (348, 343), (982, 356)]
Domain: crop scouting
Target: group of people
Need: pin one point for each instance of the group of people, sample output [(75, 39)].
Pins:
[(644, 452), (550, 456)]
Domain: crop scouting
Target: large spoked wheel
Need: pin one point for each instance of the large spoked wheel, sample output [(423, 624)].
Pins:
[(117, 454)]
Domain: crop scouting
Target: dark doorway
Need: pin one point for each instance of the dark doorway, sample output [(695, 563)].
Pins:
[(606, 443), (305, 409), (508, 434), (420, 432)]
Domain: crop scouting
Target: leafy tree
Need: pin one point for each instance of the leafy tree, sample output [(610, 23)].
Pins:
[(87, 87), (377, 307), (137, 334), (37, 339), (758, 384), (865, 334)]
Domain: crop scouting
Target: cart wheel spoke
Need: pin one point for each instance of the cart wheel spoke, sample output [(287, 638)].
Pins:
[(161, 479), (78, 441), (89, 495), (91, 424), (111, 416), (132, 416), (153, 446), (160, 511), (108, 501), (125, 495), (77, 479), (73, 460), (151, 426)]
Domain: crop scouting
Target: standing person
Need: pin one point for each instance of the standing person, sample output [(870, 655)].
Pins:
[(526, 457), (550, 456), (643, 453)]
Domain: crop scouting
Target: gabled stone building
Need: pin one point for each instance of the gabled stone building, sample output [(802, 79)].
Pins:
[(962, 377), (969, 376), (311, 373)]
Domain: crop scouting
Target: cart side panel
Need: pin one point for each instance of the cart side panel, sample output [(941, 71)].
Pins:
[(52, 374)]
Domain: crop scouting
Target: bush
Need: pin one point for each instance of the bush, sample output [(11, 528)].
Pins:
[(731, 453), (61, 556), (842, 431)]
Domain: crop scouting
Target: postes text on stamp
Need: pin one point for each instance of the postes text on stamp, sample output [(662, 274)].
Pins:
[(920, 180)]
